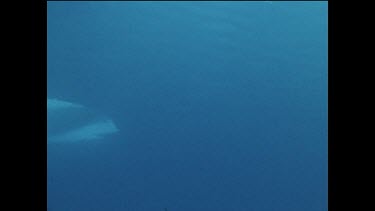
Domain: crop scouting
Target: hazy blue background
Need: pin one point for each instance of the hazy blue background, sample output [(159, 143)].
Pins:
[(221, 106)]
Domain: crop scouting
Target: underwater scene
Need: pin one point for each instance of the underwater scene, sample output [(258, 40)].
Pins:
[(187, 106)]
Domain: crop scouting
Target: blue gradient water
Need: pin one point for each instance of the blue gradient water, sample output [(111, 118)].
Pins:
[(220, 106)]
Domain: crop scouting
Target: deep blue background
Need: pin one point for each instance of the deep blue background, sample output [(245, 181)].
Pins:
[(221, 106)]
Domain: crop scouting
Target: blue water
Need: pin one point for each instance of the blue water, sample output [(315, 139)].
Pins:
[(220, 106)]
